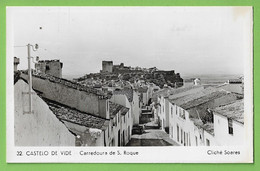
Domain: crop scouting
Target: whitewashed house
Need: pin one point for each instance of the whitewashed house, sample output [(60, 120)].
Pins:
[(191, 122), (41, 127), (229, 124), (125, 117)]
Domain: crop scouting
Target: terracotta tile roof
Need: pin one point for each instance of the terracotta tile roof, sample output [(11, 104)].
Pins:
[(170, 92), (75, 116), (114, 109), (126, 91), (193, 96), (233, 111), (183, 89), (71, 84), (204, 99)]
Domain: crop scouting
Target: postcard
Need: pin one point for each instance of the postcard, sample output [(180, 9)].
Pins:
[(129, 84)]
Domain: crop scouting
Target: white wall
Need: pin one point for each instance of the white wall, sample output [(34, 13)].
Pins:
[(145, 98), (80, 100), (122, 100), (116, 128), (167, 112), (161, 112), (189, 130), (42, 128), (222, 135), (184, 124), (211, 138), (136, 110)]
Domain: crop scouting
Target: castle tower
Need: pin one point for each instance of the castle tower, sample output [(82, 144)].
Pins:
[(51, 67), (107, 66)]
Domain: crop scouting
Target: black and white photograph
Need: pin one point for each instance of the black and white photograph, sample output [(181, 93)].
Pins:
[(159, 84)]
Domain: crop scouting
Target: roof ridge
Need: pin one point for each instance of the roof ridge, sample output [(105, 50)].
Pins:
[(54, 103), (67, 83)]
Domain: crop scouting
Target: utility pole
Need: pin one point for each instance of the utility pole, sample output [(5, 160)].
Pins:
[(30, 75), (30, 79)]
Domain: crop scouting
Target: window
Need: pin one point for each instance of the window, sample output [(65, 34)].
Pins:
[(196, 139), (181, 137), (207, 142), (178, 136), (230, 126), (171, 111), (182, 113), (176, 110), (189, 139), (184, 135)]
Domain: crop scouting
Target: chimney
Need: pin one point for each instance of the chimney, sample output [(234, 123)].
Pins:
[(16, 63)]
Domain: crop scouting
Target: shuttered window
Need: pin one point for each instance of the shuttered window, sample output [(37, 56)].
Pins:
[(230, 126)]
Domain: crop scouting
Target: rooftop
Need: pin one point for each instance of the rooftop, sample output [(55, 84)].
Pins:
[(170, 92), (71, 84), (75, 116), (204, 99), (189, 97), (233, 111), (114, 109), (183, 89), (126, 91)]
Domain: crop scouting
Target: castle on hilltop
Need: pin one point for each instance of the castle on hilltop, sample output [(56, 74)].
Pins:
[(159, 77)]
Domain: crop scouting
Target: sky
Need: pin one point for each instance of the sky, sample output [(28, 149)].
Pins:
[(189, 40)]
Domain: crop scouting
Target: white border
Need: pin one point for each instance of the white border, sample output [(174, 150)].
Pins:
[(167, 154)]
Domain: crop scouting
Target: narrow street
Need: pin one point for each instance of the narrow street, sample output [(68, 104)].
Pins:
[(151, 136)]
